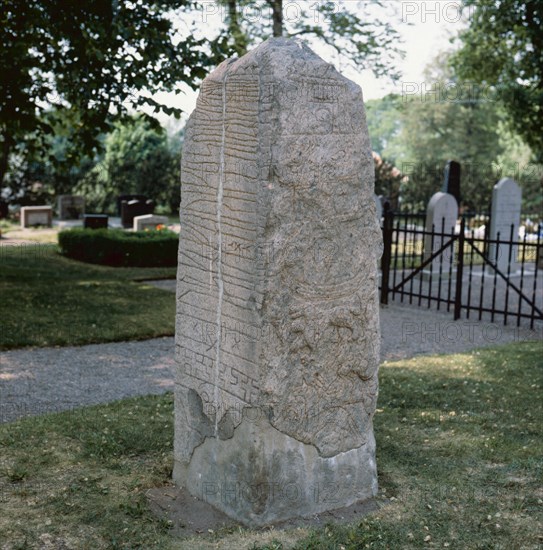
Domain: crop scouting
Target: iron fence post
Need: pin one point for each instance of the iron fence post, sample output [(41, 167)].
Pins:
[(387, 253), (459, 272)]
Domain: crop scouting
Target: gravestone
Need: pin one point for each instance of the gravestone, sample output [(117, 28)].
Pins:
[(149, 221), (133, 208), (277, 348), (504, 214), (441, 216), (128, 197), (451, 181), (95, 221), (71, 207), (4, 209), (36, 215)]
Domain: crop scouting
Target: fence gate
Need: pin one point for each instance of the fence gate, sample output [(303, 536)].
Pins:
[(462, 270)]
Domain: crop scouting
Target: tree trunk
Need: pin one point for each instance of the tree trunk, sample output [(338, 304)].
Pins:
[(233, 15), (4, 157), (240, 39), (277, 8)]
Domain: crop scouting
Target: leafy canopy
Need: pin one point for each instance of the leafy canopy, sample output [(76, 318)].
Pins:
[(88, 59), (356, 33), (503, 48)]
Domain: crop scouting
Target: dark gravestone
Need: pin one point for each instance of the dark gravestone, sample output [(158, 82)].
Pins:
[(451, 182), (4, 210), (127, 198), (95, 221), (133, 208)]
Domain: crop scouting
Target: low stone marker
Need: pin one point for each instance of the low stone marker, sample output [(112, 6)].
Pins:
[(70, 207), (149, 221), (504, 214), (36, 215), (277, 348), (133, 208), (441, 217), (95, 221)]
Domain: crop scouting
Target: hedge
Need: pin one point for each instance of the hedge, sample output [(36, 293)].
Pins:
[(119, 248)]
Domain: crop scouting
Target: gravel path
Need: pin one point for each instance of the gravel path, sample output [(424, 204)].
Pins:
[(34, 381)]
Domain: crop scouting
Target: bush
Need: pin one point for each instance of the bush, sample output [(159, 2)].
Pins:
[(119, 248)]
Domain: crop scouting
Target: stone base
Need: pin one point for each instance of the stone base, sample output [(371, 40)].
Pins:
[(260, 476)]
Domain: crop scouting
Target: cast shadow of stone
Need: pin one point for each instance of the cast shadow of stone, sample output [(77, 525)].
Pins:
[(190, 516)]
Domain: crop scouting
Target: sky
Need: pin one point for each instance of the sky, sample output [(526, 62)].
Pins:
[(425, 26)]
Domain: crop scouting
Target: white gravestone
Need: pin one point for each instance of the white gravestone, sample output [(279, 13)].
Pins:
[(149, 221), (441, 216), (36, 215), (504, 214), (277, 348)]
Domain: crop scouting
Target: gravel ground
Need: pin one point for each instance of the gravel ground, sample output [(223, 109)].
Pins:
[(34, 381)]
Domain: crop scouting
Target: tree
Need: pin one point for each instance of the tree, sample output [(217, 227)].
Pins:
[(356, 32), (39, 168), (384, 125), (139, 159), (89, 59), (388, 180), (444, 120), (502, 48)]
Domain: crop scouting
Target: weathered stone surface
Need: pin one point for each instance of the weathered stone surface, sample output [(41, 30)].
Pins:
[(277, 335), (504, 223)]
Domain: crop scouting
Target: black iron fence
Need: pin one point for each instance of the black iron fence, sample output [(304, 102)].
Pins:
[(461, 270)]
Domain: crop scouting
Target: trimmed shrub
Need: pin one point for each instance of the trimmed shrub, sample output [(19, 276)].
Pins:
[(119, 248)]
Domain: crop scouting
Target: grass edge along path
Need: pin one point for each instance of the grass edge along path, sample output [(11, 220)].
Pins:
[(50, 300), (459, 452)]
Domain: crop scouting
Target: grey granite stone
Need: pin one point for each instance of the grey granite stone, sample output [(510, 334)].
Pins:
[(277, 332)]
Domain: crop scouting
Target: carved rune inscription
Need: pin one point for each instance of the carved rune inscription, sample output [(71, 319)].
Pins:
[(268, 165)]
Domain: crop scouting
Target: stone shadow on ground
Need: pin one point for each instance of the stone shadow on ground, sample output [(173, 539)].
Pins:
[(190, 516)]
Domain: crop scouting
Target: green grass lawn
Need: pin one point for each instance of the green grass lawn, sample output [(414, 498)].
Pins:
[(459, 455), (49, 300)]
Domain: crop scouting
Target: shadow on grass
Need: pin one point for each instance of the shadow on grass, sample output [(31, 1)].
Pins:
[(49, 300), (459, 455)]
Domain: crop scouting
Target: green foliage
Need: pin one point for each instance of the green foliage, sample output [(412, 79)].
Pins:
[(448, 119), (89, 59), (503, 48), (139, 159), (119, 248), (384, 125), (41, 170), (356, 32)]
